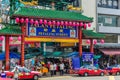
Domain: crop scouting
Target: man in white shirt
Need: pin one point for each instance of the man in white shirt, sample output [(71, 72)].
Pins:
[(61, 69), (54, 66)]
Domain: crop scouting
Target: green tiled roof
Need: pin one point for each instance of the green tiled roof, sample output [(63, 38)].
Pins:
[(51, 14), (10, 29), (91, 34)]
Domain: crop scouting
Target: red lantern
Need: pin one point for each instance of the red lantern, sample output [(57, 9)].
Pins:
[(70, 23), (89, 24), (85, 26), (26, 20), (49, 23), (81, 24), (17, 20), (45, 22), (22, 20), (11, 39), (58, 23), (66, 23), (94, 41), (31, 21), (19, 38), (61, 23), (102, 41), (77, 24), (54, 23), (88, 41), (2, 38), (74, 24), (36, 22), (41, 21)]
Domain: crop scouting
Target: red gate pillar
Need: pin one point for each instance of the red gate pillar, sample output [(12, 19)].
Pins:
[(7, 66), (91, 46), (80, 40), (22, 45)]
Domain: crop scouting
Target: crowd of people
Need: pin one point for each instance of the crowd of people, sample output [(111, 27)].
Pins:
[(49, 67), (54, 67)]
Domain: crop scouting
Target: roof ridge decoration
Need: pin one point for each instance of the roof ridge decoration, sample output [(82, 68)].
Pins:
[(91, 34), (17, 10), (51, 14), (11, 29)]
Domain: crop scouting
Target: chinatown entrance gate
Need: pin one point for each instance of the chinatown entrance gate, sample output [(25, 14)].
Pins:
[(39, 25)]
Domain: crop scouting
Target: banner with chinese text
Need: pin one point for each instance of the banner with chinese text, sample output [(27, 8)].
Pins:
[(52, 31)]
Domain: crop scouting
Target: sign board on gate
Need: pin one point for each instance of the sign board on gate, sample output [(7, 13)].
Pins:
[(52, 31)]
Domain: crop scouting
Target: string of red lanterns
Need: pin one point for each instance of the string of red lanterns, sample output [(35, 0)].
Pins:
[(57, 23), (11, 38), (95, 41)]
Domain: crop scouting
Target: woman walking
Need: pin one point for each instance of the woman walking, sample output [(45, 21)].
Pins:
[(16, 72)]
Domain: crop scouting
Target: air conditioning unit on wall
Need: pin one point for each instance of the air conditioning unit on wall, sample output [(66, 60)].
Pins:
[(100, 24)]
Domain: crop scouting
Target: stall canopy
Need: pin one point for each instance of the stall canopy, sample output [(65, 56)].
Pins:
[(54, 54), (73, 54), (30, 55), (111, 51)]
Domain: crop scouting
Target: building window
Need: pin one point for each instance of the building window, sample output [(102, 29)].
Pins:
[(76, 3), (111, 38), (108, 3), (106, 20)]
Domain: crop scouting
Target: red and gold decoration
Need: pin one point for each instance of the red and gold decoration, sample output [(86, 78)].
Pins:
[(81, 25)]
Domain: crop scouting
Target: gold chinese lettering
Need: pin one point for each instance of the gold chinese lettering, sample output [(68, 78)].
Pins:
[(53, 30), (45, 30), (61, 30)]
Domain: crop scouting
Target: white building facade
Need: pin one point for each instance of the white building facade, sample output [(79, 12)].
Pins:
[(106, 14)]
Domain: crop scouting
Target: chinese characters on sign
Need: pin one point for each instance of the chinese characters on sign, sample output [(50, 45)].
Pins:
[(108, 3), (87, 57), (52, 31)]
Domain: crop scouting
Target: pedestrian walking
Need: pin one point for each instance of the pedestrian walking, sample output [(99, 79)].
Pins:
[(55, 68), (61, 68), (16, 72), (51, 69)]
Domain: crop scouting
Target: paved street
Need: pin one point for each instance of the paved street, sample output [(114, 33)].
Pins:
[(82, 78)]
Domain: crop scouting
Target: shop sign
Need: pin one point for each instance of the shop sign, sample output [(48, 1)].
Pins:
[(52, 31), (108, 3), (87, 57), (67, 44)]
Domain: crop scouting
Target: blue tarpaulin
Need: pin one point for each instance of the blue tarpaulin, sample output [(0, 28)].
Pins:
[(76, 62), (2, 56), (12, 55)]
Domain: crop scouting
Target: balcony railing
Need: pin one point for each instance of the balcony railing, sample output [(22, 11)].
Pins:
[(108, 29), (108, 11)]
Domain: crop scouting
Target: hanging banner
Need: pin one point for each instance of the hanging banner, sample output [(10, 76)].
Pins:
[(87, 56), (52, 31)]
